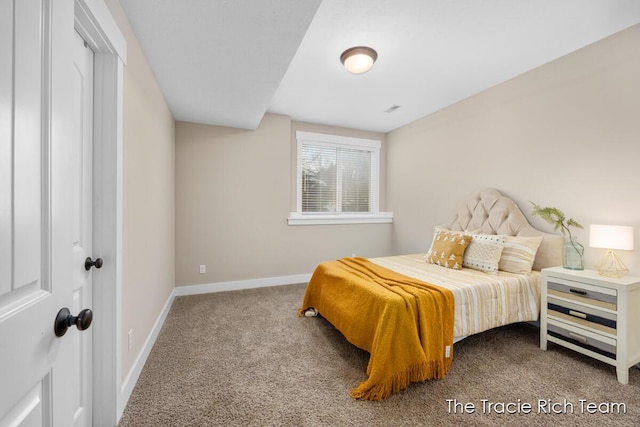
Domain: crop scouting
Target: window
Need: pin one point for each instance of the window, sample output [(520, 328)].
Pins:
[(337, 180)]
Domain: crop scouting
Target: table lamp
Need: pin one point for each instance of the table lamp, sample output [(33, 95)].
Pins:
[(611, 237)]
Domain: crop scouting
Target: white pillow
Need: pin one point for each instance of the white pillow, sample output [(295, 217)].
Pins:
[(483, 252), (519, 253)]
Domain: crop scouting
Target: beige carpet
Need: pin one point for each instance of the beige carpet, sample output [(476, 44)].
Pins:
[(243, 358)]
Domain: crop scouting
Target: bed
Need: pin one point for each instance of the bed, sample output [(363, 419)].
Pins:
[(482, 271)]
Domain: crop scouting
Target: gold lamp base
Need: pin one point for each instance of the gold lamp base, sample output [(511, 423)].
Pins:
[(611, 265)]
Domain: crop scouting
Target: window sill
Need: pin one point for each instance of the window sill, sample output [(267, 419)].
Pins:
[(296, 218)]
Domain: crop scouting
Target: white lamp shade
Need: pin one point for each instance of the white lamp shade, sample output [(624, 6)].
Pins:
[(611, 237)]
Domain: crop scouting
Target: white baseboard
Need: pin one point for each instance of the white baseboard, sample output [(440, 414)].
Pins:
[(240, 284), (130, 381)]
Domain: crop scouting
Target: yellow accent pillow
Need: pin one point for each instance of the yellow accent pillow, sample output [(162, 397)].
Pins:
[(447, 249)]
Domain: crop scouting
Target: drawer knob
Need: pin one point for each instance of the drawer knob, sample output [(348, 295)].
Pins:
[(578, 291), (577, 314), (578, 337)]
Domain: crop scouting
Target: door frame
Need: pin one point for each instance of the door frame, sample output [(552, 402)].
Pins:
[(98, 28)]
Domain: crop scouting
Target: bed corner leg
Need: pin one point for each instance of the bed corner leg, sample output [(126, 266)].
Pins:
[(310, 312)]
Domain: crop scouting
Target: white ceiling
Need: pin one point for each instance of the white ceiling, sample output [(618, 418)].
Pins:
[(227, 62)]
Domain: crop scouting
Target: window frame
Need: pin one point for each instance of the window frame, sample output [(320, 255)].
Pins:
[(336, 141)]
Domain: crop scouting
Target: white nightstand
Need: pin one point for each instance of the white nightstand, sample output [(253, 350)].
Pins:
[(592, 314)]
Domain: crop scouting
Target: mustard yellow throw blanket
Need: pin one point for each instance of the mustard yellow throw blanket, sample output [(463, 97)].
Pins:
[(406, 325)]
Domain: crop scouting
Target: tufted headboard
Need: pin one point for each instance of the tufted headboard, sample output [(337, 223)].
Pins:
[(492, 213)]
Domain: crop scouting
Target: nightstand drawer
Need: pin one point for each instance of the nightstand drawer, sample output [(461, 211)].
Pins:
[(583, 293), (598, 344), (582, 315)]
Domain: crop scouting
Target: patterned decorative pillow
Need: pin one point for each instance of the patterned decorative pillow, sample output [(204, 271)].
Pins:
[(484, 252), (447, 249), (519, 253)]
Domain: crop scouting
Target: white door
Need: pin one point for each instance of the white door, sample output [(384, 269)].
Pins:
[(81, 211), (38, 370)]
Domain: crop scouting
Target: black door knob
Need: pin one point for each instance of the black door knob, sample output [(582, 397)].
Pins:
[(64, 320), (88, 263)]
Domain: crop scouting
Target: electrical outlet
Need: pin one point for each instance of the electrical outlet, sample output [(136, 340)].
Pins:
[(130, 336), (203, 268)]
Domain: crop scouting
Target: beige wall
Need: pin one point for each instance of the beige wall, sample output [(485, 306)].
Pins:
[(233, 196), (566, 135), (148, 197)]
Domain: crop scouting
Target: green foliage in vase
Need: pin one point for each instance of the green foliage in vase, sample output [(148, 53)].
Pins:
[(555, 217)]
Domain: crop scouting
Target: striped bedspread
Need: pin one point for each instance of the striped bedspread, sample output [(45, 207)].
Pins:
[(482, 301)]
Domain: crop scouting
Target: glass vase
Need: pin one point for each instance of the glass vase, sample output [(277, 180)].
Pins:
[(572, 254)]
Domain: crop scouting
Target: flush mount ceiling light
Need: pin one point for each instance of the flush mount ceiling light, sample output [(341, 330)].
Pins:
[(359, 59)]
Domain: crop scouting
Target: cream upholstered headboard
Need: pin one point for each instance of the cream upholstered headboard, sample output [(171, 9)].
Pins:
[(492, 213)]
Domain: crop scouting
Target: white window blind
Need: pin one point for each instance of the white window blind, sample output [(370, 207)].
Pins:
[(337, 176), (335, 180)]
